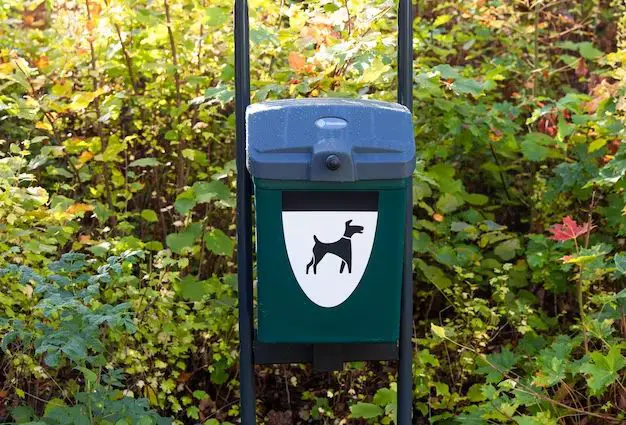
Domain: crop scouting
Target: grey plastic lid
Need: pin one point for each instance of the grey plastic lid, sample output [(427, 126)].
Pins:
[(340, 140)]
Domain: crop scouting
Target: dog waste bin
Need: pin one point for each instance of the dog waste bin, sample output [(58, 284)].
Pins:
[(330, 184)]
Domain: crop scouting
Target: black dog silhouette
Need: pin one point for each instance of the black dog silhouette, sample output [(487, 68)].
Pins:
[(341, 248)]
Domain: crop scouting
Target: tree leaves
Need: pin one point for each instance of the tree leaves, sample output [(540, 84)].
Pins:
[(587, 51), (374, 71), (365, 411), (620, 262), (536, 146), (603, 370), (216, 16), (507, 250), (179, 242), (149, 215), (201, 192), (495, 365), (145, 162), (81, 100), (192, 289), (219, 243), (438, 331)]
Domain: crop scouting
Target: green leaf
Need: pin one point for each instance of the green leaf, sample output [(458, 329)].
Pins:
[(22, 414), (178, 242), (207, 191), (150, 216), (219, 243), (476, 199), (114, 147), (81, 100), (421, 242), (467, 86), (100, 249), (384, 396), (441, 20), (216, 16), (596, 144), (192, 289), (438, 331), (185, 201), (620, 262), (435, 275), (90, 376), (535, 146), (507, 250), (540, 418), (553, 362), (375, 71), (448, 203), (587, 51), (154, 245), (53, 404), (365, 411), (611, 173), (497, 364), (200, 395), (475, 393), (446, 71), (145, 162), (145, 420), (603, 370)]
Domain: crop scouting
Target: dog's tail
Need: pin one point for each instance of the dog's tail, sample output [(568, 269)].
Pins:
[(315, 239)]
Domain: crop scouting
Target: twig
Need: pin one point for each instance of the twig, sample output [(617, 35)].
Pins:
[(345, 4), (180, 160), (127, 59)]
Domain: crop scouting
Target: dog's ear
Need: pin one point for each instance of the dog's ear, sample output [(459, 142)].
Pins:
[(348, 222)]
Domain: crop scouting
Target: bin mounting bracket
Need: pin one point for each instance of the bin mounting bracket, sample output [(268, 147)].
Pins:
[(324, 357)]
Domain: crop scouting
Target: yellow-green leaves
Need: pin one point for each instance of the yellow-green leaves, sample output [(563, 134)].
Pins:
[(81, 100), (375, 71), (149, 215), (438, 331), (216, 16)]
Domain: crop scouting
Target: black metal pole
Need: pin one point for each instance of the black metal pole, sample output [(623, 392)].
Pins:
[(244, 218), (405, 97), (405, 54)]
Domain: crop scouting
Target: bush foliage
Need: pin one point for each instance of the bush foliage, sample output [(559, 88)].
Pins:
[(117, 274)]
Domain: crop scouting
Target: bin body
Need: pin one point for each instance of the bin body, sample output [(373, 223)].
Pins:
[(330, 240)]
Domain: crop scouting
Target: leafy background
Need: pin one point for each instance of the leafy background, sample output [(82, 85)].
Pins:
[(118, 296)]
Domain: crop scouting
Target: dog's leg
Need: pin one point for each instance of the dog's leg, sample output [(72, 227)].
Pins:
[(343, 265), (349, 258), (310, 264)]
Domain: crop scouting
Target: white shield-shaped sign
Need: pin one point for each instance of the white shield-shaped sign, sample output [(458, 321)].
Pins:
[(329, 238)]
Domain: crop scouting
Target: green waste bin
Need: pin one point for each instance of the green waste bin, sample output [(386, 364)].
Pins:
[(330, 184)]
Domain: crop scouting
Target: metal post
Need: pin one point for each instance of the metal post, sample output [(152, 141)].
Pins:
[(405, 54), (405, 97), (244, 218)]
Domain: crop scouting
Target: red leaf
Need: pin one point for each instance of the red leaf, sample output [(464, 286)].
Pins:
[(569, 229)]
